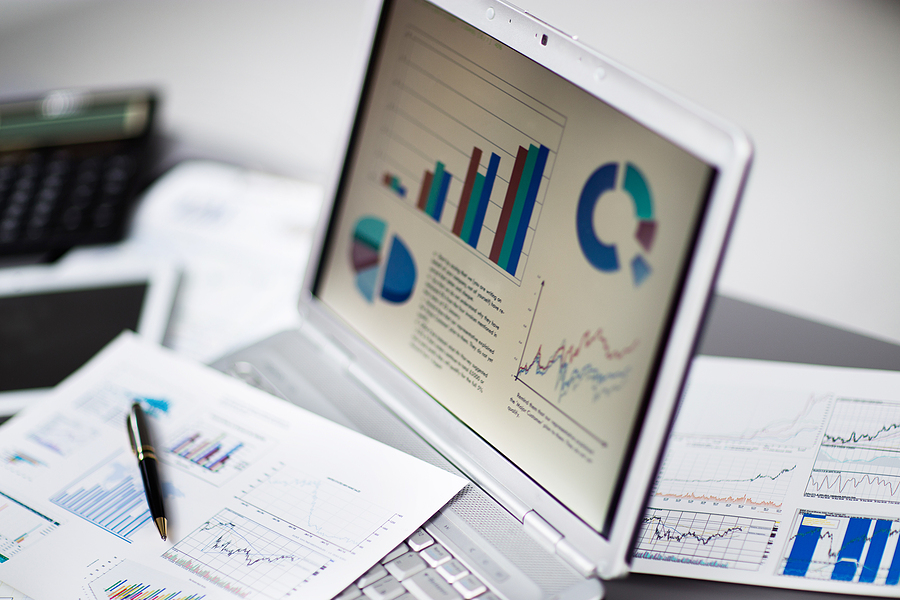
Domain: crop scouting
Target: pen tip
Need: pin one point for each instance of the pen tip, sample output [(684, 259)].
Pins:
[(162, 525)]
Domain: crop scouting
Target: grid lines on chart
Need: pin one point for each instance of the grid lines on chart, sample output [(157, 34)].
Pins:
[(859, 458), (323, 507), (725, 477), (240, 555), (705, 539)]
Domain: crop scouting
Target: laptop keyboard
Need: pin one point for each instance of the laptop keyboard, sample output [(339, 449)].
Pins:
[(422, 569)]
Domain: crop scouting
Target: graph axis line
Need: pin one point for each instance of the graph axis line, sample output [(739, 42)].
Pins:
[(315, 535), (599, 440)]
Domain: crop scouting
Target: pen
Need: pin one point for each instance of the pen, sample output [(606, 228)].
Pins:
[(142, 447)]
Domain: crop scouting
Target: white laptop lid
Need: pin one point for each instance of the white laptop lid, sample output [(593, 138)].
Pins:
[(517, 260)]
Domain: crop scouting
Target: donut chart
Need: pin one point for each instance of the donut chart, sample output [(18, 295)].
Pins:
[(605, 256), (393, 280)]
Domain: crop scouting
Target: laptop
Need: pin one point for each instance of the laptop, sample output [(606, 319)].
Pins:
[(508, 282)]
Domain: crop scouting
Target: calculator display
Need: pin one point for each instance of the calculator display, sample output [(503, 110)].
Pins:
[(67, 117), (71, 166)]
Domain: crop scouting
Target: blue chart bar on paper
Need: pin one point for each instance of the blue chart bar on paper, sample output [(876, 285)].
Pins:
[(876, 552), (851, 550), (111, 496), (847, 548), (804, 546)]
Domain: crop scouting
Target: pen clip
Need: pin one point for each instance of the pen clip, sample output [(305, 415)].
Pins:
[(137, 433), (129, 422)]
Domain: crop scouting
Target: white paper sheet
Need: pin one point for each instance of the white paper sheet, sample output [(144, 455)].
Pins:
[(264, 500), (781, 475), (241, 239)]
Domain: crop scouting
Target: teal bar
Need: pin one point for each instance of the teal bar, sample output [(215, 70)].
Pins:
[(521, 195), (435, 192), (472, 210)]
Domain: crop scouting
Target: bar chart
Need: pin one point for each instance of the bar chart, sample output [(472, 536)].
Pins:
[(110, 496), (452, 158), (843, 547), (20, 525), (130, 580)]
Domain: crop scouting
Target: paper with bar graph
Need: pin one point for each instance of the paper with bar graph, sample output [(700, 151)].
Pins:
[(781, 475), (264, 500)]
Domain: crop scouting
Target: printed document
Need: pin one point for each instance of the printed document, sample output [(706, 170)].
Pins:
[(782, 475), (263, 499)]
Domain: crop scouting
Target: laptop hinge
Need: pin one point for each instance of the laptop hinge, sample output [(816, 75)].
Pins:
[(331, 347), (553, 541), (542, 532)]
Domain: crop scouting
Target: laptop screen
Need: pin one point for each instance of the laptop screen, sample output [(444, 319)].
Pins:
[(515, 246)]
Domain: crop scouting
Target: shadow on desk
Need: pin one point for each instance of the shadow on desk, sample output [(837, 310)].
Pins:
[(738, 329)]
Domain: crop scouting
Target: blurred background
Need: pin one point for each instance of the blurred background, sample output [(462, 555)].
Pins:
[(816, 84)]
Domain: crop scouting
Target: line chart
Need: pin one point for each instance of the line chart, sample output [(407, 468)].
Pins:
[(242, 556), (589, 380), (758, 415), (859, 457), (325, 508), (705, 539), (843, 547), (729, 478)]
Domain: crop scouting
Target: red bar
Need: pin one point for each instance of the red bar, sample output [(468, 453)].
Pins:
[(467, 191), (508, 203), (426, 188)]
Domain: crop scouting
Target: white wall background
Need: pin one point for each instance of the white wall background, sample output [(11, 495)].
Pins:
[(816, 83)]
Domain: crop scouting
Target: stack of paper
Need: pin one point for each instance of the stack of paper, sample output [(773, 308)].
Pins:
[(263, 499)]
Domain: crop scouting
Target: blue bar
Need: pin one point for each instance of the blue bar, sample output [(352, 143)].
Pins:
[(489, 179), (442, 196), (805, 543), (103, 498), (87, 501), (893, 576), (527, 210), (110, 498), (851, 549), (123, 506), (876, 551)]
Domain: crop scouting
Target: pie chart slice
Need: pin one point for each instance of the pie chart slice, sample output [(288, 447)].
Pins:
[(603, 256), (399, 274), (397, 277), (364, 254), (365, 283)]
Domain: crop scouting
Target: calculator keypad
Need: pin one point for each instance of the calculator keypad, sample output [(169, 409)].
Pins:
[(55, 198)]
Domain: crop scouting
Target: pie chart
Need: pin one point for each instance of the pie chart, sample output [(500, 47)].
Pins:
[(382, 270), (605, 256)]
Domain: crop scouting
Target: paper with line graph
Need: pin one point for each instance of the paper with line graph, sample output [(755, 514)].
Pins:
[(781, 475), (264, 500)]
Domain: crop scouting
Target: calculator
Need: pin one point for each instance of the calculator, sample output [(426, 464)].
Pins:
[(71, 165)]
